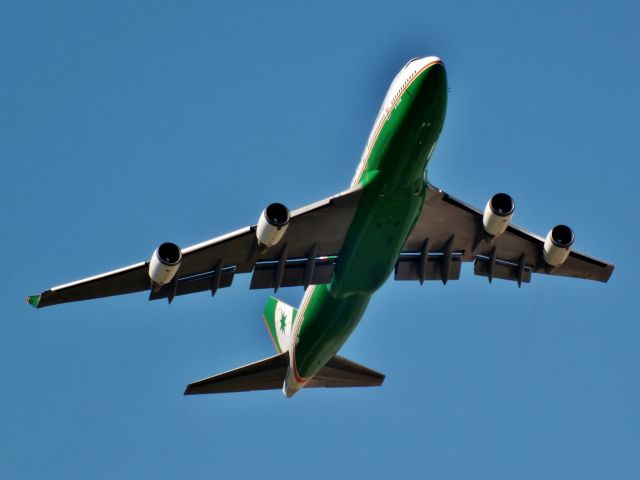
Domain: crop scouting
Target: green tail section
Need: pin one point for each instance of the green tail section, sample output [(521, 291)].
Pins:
[(279, 318)]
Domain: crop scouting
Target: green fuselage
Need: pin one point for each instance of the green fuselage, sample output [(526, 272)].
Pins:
[(392, 176)]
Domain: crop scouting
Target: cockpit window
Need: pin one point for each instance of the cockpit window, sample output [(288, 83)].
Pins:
[(415, 58)]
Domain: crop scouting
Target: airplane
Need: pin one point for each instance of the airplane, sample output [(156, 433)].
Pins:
[(343, 249)]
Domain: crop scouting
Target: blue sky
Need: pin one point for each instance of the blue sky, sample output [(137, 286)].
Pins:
[(125, 125)]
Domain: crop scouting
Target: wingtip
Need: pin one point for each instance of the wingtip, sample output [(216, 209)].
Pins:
[(33, 300)]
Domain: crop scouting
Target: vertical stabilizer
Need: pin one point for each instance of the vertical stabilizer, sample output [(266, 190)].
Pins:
[(279, 318)]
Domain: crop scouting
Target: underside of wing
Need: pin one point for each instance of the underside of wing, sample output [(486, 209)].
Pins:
[(305, 255), (449, 231), (134, 278)]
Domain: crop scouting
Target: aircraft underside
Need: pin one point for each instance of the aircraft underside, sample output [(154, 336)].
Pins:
[(342, 249)]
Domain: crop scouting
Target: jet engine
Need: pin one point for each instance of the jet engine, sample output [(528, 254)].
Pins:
[(272, 224), (165, 263), (498, 213), (557, 245)]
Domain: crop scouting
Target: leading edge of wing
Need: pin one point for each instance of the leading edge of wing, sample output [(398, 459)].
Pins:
[(351, 194)]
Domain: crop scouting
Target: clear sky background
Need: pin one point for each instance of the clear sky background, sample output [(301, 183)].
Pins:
[(126, 124)]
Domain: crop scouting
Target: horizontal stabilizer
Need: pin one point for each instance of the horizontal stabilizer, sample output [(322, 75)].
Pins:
[(269, 374), (341, 372)]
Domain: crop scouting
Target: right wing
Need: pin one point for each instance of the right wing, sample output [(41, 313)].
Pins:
[(305, 255), (451, 229)]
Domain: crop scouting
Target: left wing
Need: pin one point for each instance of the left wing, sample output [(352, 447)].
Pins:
[(305, 255), (449, 232)]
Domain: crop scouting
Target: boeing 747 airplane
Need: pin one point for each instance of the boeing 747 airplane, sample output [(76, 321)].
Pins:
[(342, 249)]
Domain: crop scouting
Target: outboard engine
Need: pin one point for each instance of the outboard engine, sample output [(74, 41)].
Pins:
[(272, 225), (557, 245)]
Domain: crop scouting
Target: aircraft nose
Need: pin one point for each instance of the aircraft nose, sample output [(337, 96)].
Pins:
[(421, 62), (432, 78)]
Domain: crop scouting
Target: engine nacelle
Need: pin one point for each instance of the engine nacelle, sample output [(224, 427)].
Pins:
[(165, 263), (557, 245), (272, 224), (498, 213)]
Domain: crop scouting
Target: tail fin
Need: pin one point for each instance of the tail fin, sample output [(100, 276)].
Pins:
[(279, 318)]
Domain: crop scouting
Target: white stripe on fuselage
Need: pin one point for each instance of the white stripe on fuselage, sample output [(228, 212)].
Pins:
[(399, 84)]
